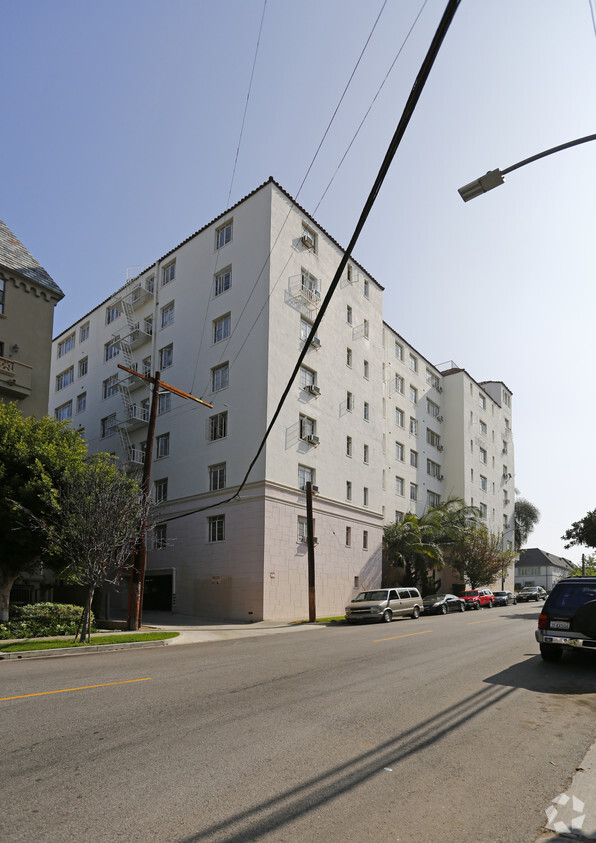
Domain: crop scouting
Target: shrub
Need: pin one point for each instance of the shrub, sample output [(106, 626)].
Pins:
[(40, 620)]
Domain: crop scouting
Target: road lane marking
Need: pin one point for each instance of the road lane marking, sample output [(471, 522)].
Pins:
[(393, 637), (491, 620), (82, 688)]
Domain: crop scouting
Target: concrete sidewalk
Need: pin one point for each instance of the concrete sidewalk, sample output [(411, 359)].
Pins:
[(572, 814), (196, 630)]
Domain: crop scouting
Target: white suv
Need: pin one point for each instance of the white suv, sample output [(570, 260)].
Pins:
[(383, 604)]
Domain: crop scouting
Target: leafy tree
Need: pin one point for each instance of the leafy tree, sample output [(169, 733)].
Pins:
[(589, 568), (93, 525), (479, 557), (582, 532), (37, 456), (525, 516)]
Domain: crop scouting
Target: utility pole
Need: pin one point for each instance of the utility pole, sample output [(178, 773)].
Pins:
[(136, 584), (312, 609)]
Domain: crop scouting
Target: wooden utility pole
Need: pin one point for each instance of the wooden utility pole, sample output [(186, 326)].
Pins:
[(312, 608), (136, 584)]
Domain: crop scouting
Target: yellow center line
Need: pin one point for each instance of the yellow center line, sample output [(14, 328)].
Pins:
[(83, 688), (424, 631), (492, 620)]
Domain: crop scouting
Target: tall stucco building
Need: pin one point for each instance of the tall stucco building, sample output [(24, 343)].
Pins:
[(224, 316)]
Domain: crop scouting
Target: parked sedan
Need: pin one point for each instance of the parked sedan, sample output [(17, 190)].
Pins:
[(531, 592), (442, 603), (504, 598)]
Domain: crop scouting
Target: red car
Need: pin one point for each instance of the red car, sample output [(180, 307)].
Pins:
[(477, 598)]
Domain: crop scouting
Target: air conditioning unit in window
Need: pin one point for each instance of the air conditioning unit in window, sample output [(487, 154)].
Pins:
[(314, 490), (440, 419), (439, 477), (313, 389), (315, 540), (439, 447), (308, 241), (439, 389), (316, 342), (312, 439)]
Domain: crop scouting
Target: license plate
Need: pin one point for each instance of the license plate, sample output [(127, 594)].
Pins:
[(559, 624)]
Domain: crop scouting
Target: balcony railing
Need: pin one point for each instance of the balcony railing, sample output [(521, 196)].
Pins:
[(15, 378)]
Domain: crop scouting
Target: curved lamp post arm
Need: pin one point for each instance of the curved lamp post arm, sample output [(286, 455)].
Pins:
[(496, 177)]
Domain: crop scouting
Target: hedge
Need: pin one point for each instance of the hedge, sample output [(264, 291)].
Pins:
[(40, 620)]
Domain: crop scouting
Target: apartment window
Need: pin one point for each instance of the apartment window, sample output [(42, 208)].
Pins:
[(399, 516), (168, 273), (218, 426), (365, 369), (413, 492), (365, 496), (365, 329), (506, 399), (307, 377), (399, 351), (64, 411), (310, 285), (399, 417), (399, 451), (483, 483), (348, 446), (349, 401), (223, 235), (483, 427), (160, 490), (64, 378), (81, 402), (432, 409), (108, 426), (433, 438), (146, 364), (307, 426), (160, 536), (305, 328), (482, 401), (471, 475), (112, 313), (83, 367), (110, 386), (483, 511), (348, 537), (217, 477), (302, 528), (84, 332), (366, 411), (471, 446), (65, 345), (216, 528), (166, 357), (399, 486), (349, 357), (163, 445), (365, 540), (222, 328), (348, 490), (167, 315), (366, 289), (399, 384), (365, 453), (164, 403), (2, 293), (110, 350), (413, 395), (413, 426), (305, 475), (433, 499), (433, 469), (483, 455), (413, 363), (349, 314), (220, 377), (432, 379), (414, 459), (222, 281), (148, 325), (150, 284), (505, 522), (309, 238)]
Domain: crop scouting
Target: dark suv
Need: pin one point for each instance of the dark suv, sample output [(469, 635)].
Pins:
[(568, 618)]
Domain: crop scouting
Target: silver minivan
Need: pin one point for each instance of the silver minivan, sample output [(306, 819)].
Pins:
[(383, 604)]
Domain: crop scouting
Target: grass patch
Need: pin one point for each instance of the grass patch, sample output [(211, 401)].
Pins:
[(23, 646), (324, 620)]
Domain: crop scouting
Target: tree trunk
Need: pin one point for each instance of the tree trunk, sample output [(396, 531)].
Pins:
[(84, 631), (5, 587)]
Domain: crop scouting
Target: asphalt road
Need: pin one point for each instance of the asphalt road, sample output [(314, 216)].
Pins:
[(442, 729)]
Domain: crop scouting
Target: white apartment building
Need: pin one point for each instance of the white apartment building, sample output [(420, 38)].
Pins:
[(224, 316)]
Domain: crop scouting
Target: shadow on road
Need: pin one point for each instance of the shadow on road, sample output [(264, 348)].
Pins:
[(574, 674)]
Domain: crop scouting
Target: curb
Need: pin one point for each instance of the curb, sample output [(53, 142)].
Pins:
[(81, 651)]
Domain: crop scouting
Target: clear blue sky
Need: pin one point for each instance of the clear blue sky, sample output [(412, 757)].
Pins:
[(121, 122)]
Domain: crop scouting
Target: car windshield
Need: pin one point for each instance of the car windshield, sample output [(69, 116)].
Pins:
[(469, 594), (500, 593), (434, 598), (371, 595), (530, 589), (571, 597)]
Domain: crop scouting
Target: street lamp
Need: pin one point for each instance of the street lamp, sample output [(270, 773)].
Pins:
[(496, 177)]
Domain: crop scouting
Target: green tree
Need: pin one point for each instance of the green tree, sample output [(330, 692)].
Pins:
[(589, 568), (479, 557), (37, 456), (582, 532), (93, 525), (525, 516)]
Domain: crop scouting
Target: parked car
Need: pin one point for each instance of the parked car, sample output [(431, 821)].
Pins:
[(531, 592), (504, 598), (442, 603), (383, 604), (476, 598), (568, 618)]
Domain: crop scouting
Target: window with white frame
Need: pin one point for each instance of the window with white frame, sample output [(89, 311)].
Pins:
[(432, 379), (348, 490), (506, 399), (160, 536), (399, 451), (349, 401), (148, 325), (365, 329), (413, 426), (433, 499), (305, 475), (150, 284), (222, 281), (349, 357), (483, 455), (146, 364), (164, 403), (163, 445), (366, 288), (483, 483), (110, 386), (483, 427), (160, 490), (348, 446), (399, 384), (81, 402), (64, 378), (112, 313), (220, 377), (63, 412), (65, 345), (309, 238), (399, 486), (433, 438), (413, 363), (222, 328), (168, 273), (365, 454), (413, 394), (349, 315), (217, 477), (84, 332), (483, 511), (223, 234), (366, 411), (433, 469), (108, 426), (166, 356), (308, 426), (399, 417), (216, 528), (482, 401), (305, 328), (432, 409), (83, 367), (218, 426), (348, 537), (399, 351), (111, 349), (414, 458), (310, 284), (167, 315), (302, 528), (399, 516), (413, 491)]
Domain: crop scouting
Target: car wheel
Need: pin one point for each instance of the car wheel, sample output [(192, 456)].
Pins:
[(551, 652), (462, 608), (536, 599), (415, 613), (490, 604), (477, 606), (387, 615), (514, 601), (443, 609)]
